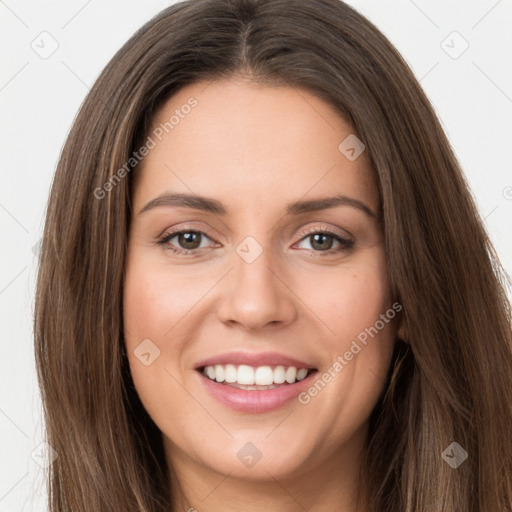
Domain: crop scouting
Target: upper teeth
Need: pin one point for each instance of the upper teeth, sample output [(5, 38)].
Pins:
[(260, 376)]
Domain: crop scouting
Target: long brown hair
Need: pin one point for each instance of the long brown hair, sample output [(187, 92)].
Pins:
[(452, 381)]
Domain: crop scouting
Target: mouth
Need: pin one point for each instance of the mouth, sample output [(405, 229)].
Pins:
[(254, 383), (260, 378)]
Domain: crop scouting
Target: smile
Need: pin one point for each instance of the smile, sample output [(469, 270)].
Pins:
[(256, 379), (254, 383)]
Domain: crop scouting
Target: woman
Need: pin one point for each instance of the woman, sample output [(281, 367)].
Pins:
[(264, 284)]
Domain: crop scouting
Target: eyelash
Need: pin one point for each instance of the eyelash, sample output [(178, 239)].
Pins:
[(346, 244)]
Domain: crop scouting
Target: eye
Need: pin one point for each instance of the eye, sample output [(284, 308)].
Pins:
[(187, 240), (322, 240)]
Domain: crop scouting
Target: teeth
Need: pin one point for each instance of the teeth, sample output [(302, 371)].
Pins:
[(279, 374), (302, 373), (245, 375), (230, 373), (210, 371), (291, 373), (219, 373), (262, 377)]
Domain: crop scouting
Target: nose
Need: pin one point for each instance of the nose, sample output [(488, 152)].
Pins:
[(255, 294)]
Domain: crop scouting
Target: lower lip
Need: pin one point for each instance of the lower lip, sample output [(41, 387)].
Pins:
[(254, 401)]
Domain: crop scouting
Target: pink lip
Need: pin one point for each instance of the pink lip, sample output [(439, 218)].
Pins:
[(253, 359), (253, 401)]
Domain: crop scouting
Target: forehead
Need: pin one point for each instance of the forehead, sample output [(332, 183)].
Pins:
[(249, 144)]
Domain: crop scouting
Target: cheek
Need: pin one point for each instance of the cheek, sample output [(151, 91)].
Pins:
[(357, 351), (154, 305), (353, 298), (155, 301), (356, 307)]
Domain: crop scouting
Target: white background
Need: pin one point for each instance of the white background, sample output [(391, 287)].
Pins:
[(39, 98)]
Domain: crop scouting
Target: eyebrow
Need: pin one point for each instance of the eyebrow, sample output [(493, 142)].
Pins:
[(210, 205)]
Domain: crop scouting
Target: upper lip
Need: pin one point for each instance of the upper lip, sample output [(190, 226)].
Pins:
[(254, 359)]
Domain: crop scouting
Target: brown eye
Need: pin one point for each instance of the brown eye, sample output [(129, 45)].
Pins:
[(328, 243), (187, 241)]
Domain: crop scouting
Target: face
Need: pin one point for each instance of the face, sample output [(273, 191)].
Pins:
[(258, 317)]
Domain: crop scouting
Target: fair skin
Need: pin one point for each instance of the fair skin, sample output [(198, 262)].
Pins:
[(255, 149)]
